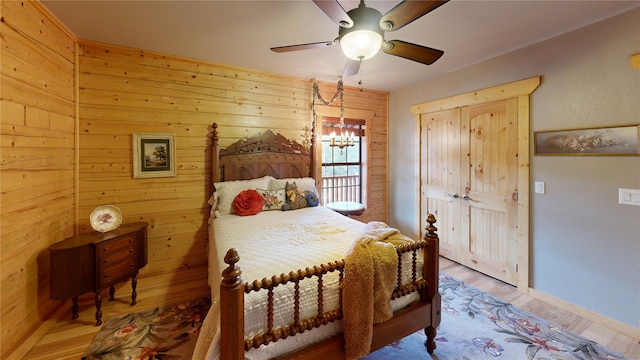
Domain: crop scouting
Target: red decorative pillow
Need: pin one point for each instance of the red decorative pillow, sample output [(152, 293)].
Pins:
[(248, 202)]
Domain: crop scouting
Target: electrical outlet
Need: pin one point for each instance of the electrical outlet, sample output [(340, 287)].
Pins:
[(629, 197), (540, 187)]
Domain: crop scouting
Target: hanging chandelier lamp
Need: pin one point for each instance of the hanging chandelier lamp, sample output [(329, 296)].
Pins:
[(345, 139)]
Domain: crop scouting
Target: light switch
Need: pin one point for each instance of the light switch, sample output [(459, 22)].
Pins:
[(540, 187), (629, 197)]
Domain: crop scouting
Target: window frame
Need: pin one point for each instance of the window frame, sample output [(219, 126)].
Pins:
[(358, 127), (322, 112)]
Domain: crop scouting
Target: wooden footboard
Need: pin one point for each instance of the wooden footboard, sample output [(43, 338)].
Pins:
[(424, 314)]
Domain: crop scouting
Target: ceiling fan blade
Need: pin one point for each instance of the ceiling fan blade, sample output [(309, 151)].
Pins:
[(317, 45), (406, 12), (419, 53), (334, 10), (351, 68)]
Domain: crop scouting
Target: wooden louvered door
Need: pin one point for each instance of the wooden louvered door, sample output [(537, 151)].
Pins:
[(469, 180)]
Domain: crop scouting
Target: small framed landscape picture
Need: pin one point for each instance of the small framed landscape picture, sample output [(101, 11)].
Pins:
[(154, 155)]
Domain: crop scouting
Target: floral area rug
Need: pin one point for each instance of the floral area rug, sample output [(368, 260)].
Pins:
[(475, 326), (478, 326), (161, 333)]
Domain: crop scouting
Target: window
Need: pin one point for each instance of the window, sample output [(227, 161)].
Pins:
[(342, 173)]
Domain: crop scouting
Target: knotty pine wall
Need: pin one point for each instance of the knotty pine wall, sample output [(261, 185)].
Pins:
[(37, 145), (124, 91), (47, 174)]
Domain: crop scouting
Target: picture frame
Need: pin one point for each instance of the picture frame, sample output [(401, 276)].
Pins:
[(154, 155), (597, 141)]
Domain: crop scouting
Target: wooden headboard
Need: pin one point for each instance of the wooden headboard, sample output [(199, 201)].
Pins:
[(260, 155)]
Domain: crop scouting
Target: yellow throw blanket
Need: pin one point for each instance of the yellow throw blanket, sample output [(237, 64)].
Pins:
[(369, 279)]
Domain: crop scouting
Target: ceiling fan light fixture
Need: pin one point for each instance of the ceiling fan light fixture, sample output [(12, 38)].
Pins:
[(362, 41), (361, 44), (361, 32)]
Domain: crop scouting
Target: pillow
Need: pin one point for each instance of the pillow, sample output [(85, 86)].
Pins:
[(312, 198), (294, 198), (304, 184), (228, 190), (272, 199), (213, 201), (248, 202)]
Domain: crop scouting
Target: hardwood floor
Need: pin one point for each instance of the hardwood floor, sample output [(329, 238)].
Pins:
[(68, 339)]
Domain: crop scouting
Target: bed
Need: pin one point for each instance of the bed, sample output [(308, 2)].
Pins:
[(283, 282)]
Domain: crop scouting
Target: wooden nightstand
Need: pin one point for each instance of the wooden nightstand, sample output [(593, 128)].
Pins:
[(96, 261)]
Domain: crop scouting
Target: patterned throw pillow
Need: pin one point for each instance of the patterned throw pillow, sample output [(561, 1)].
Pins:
[(303, 183), (248, 202), (294, 198), (272, 199)]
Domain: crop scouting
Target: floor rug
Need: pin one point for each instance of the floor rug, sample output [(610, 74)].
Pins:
[(478, 326), (168, 332), (475, 326)]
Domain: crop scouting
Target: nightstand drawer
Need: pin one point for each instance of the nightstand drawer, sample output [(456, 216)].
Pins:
[(109, 261), (118, 270), (117, 247), (116, 260)]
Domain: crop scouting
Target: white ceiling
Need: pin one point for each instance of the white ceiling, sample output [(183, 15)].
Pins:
[(241, 33)]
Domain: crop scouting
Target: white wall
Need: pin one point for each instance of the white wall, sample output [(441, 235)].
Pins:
[(585, 247)]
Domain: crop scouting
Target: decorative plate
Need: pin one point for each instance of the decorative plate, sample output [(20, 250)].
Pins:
[(105, 218)]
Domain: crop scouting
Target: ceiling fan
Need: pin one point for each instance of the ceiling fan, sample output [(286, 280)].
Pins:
[(361, 32)]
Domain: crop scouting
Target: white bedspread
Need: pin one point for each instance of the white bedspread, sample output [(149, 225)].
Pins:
[(275, 242), (306, 236)]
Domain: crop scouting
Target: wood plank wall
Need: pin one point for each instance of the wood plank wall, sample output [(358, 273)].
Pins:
[(123, 91), (377, 136), (37, 145)]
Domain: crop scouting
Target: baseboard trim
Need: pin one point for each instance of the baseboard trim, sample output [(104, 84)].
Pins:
[(587, 314), (30, 342)]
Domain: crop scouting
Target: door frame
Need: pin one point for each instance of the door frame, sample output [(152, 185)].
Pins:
[(520, 90)]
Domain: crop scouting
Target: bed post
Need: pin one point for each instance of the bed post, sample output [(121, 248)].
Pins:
[(215, 154), (431, 274), (232, 309)]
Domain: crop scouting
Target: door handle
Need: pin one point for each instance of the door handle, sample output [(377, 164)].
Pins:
[(466, 197), (454, 195)]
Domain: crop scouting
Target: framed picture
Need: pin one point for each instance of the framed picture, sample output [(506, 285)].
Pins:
[(620, 141), (154, 155)]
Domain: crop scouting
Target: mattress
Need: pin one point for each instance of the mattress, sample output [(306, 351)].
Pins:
[(276, 242)]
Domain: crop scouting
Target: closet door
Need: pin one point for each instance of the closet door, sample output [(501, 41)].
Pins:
[(469, 169), (441, 144), (474, 176), (489, 194)]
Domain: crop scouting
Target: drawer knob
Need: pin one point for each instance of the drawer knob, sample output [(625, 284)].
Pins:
[(106, 275)]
